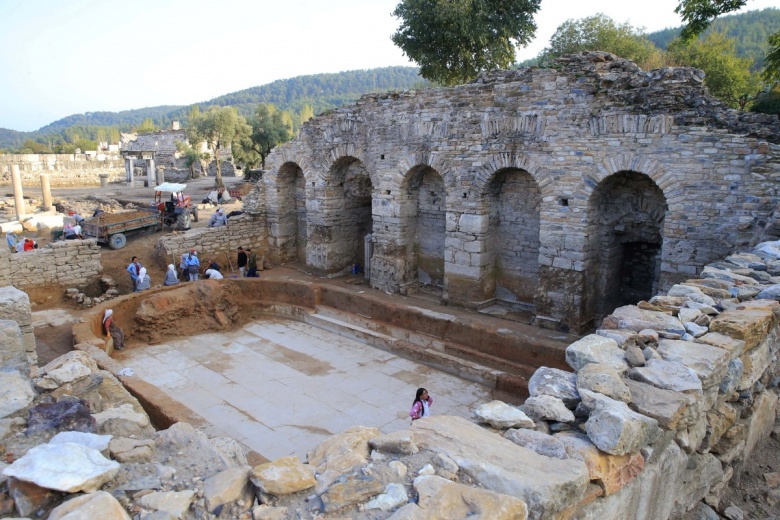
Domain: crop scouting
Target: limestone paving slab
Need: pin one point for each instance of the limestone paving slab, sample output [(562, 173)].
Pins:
[(281, 387)]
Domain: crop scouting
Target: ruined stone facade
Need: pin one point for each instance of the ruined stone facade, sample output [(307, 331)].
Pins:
[(568, 191), (63, 169), (63, 264)]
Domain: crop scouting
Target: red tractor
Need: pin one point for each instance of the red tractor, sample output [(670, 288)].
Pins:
[(174, 206)]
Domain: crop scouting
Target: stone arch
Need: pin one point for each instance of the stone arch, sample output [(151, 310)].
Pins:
[(290, 203), (501, 161), (410, 161), (349, 191), (282, 155), (626, 215), (422, 209), (628, 162), (511, 198)]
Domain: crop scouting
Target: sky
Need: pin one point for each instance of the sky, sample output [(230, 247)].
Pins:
[(59, 58)]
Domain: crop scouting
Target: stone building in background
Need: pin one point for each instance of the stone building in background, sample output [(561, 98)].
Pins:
[(567, 191)]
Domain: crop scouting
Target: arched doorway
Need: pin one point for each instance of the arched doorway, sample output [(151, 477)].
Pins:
[(291, 197), (513, 200), (352, 193), (425, 210), (627, 212)]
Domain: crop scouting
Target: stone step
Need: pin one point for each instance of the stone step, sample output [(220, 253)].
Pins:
[(453, 363)]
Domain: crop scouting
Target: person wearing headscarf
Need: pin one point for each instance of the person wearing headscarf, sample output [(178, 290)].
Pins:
[(218, 219), (112, 329), (170, 276), (143, 282), (11, 240), (213, 274)]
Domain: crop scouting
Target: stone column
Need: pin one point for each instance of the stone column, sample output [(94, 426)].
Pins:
[(103, 180), (46, 189), (151, 175), (18, 194), (129, 171), (466, 261)]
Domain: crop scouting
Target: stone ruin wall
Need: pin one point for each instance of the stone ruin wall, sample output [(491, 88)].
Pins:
[(537, 187), (69, 263), (63, 169), (661, 436), (215, 243)]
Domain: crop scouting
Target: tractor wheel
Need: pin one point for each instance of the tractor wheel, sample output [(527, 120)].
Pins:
[(183, 222), (117, 241), (194, 213)]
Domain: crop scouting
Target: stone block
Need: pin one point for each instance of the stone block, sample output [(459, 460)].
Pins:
[(749, 325)]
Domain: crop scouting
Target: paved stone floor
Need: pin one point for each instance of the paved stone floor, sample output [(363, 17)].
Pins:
[(281, 387)]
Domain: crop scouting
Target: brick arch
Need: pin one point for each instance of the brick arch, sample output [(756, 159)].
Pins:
[(425, 158), (283, 155), (501, 161), (629, 162), (341, 151)]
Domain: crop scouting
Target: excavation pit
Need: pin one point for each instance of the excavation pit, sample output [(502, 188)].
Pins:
[(280, 365)]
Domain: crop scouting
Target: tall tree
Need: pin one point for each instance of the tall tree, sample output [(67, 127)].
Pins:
[(146, 126), (454, 40), (220, 127), (600, 33), (727, 76), (699, 14), (270, 128)]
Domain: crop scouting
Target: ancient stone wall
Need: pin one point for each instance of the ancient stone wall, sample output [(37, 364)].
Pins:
[(63, 169), (70, 263), (215, 243), (524, 187)]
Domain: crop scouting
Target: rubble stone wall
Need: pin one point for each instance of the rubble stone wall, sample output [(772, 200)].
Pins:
[(216, 243), (710, 172), (63, 169), (69, 263)]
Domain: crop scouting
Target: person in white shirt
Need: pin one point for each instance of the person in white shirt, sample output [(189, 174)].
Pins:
[(213, 274)]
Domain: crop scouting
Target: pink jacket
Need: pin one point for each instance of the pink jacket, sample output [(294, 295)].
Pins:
[(417, 408)]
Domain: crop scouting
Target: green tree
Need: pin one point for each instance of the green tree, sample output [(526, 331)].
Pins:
[(269, 128), (146, 126), (600, 33), (219, 127), (191, 157), (454, 40), (727, 76), (307, 112), (699, 14)]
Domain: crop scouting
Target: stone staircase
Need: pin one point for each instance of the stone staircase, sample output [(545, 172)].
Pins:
[(465, 362)]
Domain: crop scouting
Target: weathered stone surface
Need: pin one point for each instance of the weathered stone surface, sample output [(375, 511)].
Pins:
[(691, 293), (702, 472), (12, 350), (65, 467), (123, 421), (336, 455), (349, 490), (754, 363), (98, 505), (761, 421), (727, 276), (61, 416), (67, 368), (603, 379), (547, 408), (500, 415), (555, 382), (595, 349), (542, 443), (718, 422), (708, 362), (125, 449), (687, 314), (633, 318), (695, 330), (665, 406), (15, 306), (265, 512), (15, 392), (397, 442), (635, 357), (614, 427), (547, 485), (621, 337), (749, 325), (28, 499), (394, 496), (90, 440), (283, 476), (733, 346), (227, 487), (440, 499), (174, 502), (611, 472), (733, 376), (667, 375)]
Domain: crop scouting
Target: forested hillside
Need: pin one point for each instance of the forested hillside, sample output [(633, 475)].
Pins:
[(319, 91), (750, 30)]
